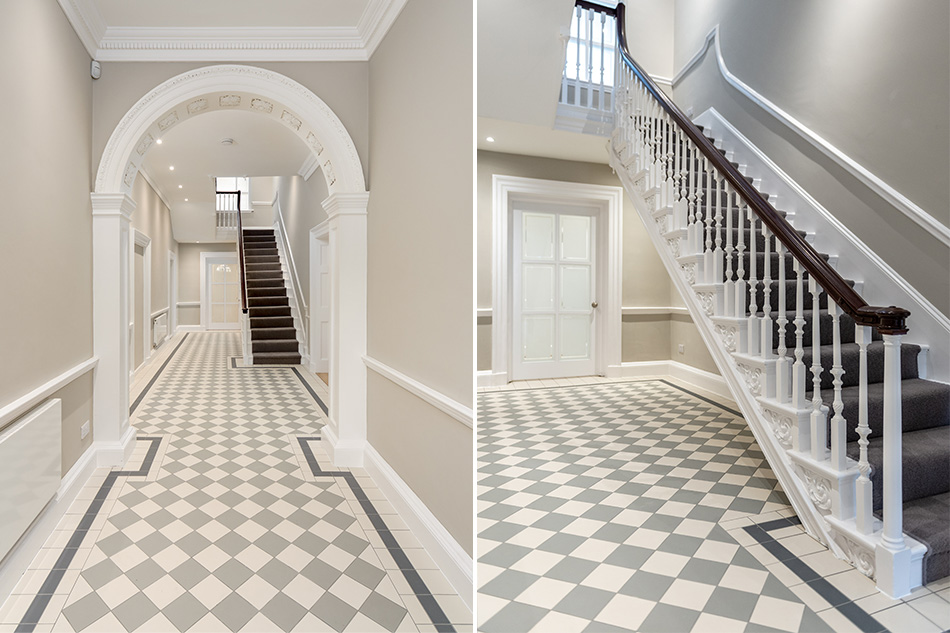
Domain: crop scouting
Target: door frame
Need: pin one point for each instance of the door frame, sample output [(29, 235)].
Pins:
[(204, 289), (172, 293), (319, 239), (140, 239), (508, 190)]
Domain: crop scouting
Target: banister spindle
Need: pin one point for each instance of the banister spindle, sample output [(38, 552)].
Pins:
[(864, 517), (765, 346), (590, 58), (753, 329), (708, 253), (696, 200), (798, 368), (819, 425), (730, 289), (839, 431), (577, 83), (603, 22), (782, 365), (718, 255), (738, 309)]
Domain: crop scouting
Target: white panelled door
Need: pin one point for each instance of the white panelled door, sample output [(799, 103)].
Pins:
[(224, 293), (554, 292)]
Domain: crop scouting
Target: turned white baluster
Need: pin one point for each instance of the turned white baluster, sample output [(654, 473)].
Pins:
[(839, 430), (753, 329), (696, 173), (819, 424), (691, 199), (740, 289), (590, 58), (765, 346), (577, 83), (782, 365), (717, 276), (729, 293), (864, 517), (708, 254), (798, 368), (603, 22)]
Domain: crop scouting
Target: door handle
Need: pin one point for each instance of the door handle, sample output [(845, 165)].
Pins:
[(593, 305)]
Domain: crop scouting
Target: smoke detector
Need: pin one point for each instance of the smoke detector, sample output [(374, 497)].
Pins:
[(227, 141)]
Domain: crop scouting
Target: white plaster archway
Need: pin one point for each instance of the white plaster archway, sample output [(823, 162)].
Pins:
[(266, 93)]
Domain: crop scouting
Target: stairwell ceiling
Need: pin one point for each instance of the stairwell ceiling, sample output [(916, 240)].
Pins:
[(520, 62), (231, 30), (262, 147)]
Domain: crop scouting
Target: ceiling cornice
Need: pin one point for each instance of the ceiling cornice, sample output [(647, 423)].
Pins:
[(228, 44)]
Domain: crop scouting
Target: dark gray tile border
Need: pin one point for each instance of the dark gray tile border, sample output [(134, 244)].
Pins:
[(419, 588), (151, 382), (303, 381), (816, 581), (33, 613)]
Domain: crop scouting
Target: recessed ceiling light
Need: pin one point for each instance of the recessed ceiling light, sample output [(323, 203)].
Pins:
[(158, 141), (179, 186), (171, 168), (186, 199), (490, 139)]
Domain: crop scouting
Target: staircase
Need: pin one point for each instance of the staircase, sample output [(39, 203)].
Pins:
[(272, 333), (856, 434)]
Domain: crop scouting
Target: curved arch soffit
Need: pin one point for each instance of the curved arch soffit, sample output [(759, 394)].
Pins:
[(231, 87)]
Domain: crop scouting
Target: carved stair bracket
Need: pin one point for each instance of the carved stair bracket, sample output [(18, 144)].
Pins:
[(674, 245), (689, 271), (819, 488), (728, 335), (708, 301), (861, 557), (782, 425), (752, 376)]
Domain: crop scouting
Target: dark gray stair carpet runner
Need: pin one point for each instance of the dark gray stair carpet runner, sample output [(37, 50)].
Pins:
[(273, 337), (925, 404)]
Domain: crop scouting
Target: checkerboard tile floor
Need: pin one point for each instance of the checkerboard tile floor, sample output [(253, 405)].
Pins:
[(619, 506), (229, 516)]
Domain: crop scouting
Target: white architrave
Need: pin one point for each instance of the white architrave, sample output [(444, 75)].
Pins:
[(346, 432), (143, 240), (269, 94), (505, 189)]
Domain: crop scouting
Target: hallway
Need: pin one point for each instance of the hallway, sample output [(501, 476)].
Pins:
[(612, 505), (230, 517)]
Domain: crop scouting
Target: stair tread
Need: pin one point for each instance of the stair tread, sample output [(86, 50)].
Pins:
[(926, 520), (926, 463)]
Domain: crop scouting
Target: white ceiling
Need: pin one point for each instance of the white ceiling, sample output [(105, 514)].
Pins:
[(262, 147), (231, 30), (520, 62)]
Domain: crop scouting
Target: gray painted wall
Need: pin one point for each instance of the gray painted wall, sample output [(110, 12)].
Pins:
[(420, 252), (301, 209), (870, 76), (46, 241)]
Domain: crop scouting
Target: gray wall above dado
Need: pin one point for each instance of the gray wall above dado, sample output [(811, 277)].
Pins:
[(872, 77)]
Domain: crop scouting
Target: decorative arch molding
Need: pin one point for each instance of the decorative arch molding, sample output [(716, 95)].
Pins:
[(182, 97), (231, 87)]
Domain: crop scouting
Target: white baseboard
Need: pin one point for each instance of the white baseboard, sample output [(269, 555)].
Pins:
[(483, 378), (189, 328), (344, 454), (109, 454), (451, 558), (699, 378), (15, 564)]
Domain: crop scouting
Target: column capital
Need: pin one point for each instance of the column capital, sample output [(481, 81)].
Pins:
[(338, 204), (112, 204)]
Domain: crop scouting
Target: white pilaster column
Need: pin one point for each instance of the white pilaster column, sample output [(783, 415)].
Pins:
[(346, 435), (111, 216)]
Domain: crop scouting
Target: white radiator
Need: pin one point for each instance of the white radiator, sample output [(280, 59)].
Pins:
[(30, 469), (159, 329)]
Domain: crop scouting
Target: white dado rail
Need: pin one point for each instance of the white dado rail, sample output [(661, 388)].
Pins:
[(708, 223)]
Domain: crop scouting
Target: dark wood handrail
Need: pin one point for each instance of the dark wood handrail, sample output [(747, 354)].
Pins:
[(240, 247), (887, 320)]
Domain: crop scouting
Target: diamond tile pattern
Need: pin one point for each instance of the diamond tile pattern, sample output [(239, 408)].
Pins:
[(600, 509), (227, 530)]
